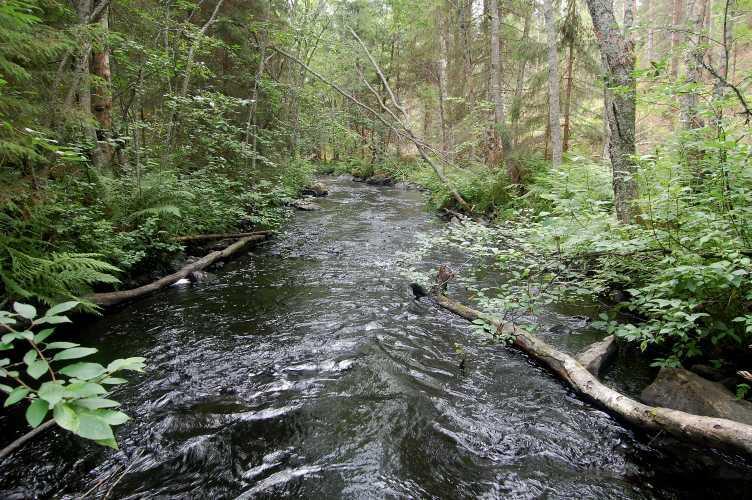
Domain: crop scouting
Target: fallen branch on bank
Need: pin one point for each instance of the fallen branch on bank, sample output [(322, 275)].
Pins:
[(220, 236), (112, 298), (717, 432)]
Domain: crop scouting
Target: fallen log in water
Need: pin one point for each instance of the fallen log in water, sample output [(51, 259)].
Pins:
[(717, 432), (220, 236), (112, 298)]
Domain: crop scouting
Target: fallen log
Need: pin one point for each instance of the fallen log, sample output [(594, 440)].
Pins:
[(716, 432), (220, 236), (112, 298)]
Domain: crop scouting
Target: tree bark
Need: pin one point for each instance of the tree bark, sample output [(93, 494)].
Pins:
[(693, 57), (101, 98), (113, 298), (442, 78), (553, 83), (568, 94), (619, 59), (711, 431), (501, 146), (676, 38)]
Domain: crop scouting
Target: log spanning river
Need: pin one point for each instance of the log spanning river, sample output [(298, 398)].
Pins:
[(307, 369)]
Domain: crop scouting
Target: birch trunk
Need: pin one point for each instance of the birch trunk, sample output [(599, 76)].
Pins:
[(618, 56), (442, 77)]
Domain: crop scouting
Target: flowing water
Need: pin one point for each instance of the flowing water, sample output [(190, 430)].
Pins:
[(307, 369)]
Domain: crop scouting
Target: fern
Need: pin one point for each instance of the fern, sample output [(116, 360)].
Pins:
[(54, 277)]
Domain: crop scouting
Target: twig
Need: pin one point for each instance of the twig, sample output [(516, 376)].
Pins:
[(26, 437)]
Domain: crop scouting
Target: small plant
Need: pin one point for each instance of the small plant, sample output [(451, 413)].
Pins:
[(48, 378)]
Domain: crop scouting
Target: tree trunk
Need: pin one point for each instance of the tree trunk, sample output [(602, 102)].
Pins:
[(553, 84), (442, 78), (676, 38), (518, 89), (251, 129), (112, 298), (101, 98), (618, 56), (568, 93), (501, 146), (693, 56)]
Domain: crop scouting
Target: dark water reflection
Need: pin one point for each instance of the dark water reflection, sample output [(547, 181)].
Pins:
[(307, 370)]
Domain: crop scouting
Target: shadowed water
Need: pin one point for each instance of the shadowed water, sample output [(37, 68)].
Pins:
[(307, 369)]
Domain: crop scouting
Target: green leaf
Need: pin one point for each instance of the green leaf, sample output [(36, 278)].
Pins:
[(92, 427), (62, 307), (110, 443), (65, 417), (30, 357), (61, 345), (43, 334), (54, 320), (25, 310), (36, 412), (85, 389), (97, 403), (112, 417), (52, 392), (74, 353), (83, 371), (16, 395), (37, 368), (6, 388), (133, 364), (114, 381)]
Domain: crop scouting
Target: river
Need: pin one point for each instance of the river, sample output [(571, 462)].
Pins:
[(307, 369)]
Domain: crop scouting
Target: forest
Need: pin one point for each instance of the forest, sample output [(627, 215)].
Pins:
[(239, 204)]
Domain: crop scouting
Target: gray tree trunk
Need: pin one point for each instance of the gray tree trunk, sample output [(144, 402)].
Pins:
[(554, 112), (501, 141), (618, 55), (442, 77)]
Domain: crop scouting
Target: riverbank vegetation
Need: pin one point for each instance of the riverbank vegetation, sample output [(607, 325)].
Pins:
[(603, 145)]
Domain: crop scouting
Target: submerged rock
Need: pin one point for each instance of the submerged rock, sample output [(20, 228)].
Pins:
[(680, 389), (379, 180), (316, 189), (597, 354), (307, 206), (200, 276)]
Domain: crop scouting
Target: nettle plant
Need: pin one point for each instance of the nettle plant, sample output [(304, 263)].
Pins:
[(50, 378)]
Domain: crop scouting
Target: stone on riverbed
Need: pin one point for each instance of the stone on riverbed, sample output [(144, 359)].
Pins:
[(680, 389), (306, 206), (597, 354), (379, 180), (316, 189)]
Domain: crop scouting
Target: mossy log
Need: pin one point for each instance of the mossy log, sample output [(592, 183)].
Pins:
[(710, 431), (113, 298)]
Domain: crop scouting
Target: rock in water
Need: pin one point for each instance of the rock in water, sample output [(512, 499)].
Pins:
[(680, 389), (316, 189), (306, 206), (379, 180), (597, 354), (200, 276)]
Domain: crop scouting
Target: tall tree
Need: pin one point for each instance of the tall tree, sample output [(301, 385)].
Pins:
[(618, 56), (554, 116), (501, 146)]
